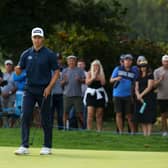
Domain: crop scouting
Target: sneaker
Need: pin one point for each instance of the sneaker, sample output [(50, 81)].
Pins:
[(45, 151), (165, 134), (22, 151)]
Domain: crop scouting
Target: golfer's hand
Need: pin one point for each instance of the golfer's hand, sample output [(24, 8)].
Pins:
[(47, 91)]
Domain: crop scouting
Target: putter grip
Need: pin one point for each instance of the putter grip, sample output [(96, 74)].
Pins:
[(142, 109)]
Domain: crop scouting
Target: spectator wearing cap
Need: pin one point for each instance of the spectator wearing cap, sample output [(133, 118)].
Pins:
[(121, 61), (140, 59), (161, 82), (136, 69), (123, 79), (39, 62), (72, 79), (8, 91), (72, 117), (144, 89)]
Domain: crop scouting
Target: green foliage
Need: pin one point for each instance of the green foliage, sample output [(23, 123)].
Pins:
[(95, 29), (147, 19), (101, 29), (152, 50), (18, 17), (76, 39)]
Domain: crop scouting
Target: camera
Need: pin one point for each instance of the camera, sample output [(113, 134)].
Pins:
[(3, 83)]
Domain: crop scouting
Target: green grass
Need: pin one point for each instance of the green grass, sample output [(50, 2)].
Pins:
[(89, 140), (83, 149)]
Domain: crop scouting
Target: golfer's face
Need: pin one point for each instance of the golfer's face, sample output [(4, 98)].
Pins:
[(37, 41)]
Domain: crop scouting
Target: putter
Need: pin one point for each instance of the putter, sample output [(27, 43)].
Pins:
[(35, 130)]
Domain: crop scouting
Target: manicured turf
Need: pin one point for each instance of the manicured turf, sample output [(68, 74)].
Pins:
[(62, 158)]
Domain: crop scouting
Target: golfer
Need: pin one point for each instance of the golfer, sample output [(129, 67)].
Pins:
[(38, 61)]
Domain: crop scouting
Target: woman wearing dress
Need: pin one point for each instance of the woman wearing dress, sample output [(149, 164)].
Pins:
[(144, 89), (95, 96)]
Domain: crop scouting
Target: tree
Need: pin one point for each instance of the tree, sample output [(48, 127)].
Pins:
[(18, 17), (147, 19)]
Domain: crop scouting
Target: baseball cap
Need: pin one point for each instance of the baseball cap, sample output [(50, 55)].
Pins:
[(37, 31), (8, 62), (128, 56), (71, 57), (165, 58), (143, 63), (141, 58), (122, 57)]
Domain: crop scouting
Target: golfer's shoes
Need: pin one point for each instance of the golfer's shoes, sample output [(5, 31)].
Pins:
[(22, 151), (45, 151)]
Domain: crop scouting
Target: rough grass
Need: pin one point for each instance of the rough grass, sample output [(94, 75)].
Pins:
[(89, 140)]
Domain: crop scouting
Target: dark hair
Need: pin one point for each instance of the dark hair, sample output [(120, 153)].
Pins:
[(59, 56), (149, 70), (81, 60)]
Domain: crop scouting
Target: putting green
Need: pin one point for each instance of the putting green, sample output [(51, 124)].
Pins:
[(62, 158)]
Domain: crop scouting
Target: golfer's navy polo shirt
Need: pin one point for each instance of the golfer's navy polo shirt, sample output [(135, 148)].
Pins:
[(38, 66)]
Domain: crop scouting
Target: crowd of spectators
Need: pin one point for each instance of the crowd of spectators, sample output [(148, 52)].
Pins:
[(79, 96)]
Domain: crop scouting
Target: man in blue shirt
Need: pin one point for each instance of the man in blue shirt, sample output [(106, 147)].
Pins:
[(38, 61), (123, 78)]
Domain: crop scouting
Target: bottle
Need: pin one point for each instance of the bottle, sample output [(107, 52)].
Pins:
[(142, 109)]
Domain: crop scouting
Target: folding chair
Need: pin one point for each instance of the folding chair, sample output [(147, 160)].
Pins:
[(14, 112)]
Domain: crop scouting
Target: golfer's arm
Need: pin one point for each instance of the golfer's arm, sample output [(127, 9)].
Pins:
[(54, 79)]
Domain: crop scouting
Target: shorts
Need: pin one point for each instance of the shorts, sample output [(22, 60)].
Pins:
[(75, 101), (94, 102), (163, 105), (122, 105)]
